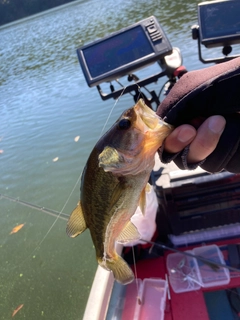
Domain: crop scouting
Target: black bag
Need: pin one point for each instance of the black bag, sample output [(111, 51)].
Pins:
[(211, 91)]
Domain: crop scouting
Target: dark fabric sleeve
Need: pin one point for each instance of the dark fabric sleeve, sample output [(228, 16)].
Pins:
[(211, 91)]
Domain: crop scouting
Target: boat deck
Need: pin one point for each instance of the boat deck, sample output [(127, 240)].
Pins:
[(187, 305)]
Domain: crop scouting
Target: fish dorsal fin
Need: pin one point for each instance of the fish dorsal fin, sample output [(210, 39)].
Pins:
[(142, 201), (129, 233), (76, 223)]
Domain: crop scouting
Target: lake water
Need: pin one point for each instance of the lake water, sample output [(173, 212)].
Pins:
[(44, 104)]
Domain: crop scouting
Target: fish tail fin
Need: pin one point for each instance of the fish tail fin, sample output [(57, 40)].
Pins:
[(120, 269)]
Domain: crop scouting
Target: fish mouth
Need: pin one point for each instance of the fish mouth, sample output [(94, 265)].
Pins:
[(148, 120)]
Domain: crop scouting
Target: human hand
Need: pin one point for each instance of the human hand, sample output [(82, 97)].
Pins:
[(203, 94), (202, 141)]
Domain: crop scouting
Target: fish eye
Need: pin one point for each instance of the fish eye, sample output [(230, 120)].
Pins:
[(124, 124)]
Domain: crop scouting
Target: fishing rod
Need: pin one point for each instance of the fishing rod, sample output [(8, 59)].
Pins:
[(54, 213), (214, 265)]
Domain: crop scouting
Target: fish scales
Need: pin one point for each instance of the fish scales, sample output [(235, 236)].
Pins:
[(96, 196), (114, 183)]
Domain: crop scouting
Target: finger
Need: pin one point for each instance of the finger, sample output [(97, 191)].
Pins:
[(206, 140), (179, 138)]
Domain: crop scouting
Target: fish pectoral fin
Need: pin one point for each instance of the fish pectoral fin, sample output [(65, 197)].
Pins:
[(129, 233), (117, 195), (109, 158), (76, 223), (142, 201), (121, 271), (148, 188)]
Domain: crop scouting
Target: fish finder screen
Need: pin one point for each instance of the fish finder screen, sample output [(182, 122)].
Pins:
[(221, 19), (117, 51)]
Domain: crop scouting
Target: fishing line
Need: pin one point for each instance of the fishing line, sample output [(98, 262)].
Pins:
[(210, 263), (202, 259), (59, 215), (111, 111), (77, 182), (139, 88), (140, 93), (123, 86), (114, 105), (51, 212), (53, 224), (135, 271)]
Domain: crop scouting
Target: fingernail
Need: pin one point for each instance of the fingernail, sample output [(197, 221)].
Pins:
[(216, 124)]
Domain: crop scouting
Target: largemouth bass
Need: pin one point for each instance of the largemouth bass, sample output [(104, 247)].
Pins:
[(114, 182)]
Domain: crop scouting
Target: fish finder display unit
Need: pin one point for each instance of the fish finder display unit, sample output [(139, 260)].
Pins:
[(123, 52), (219, 23)]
